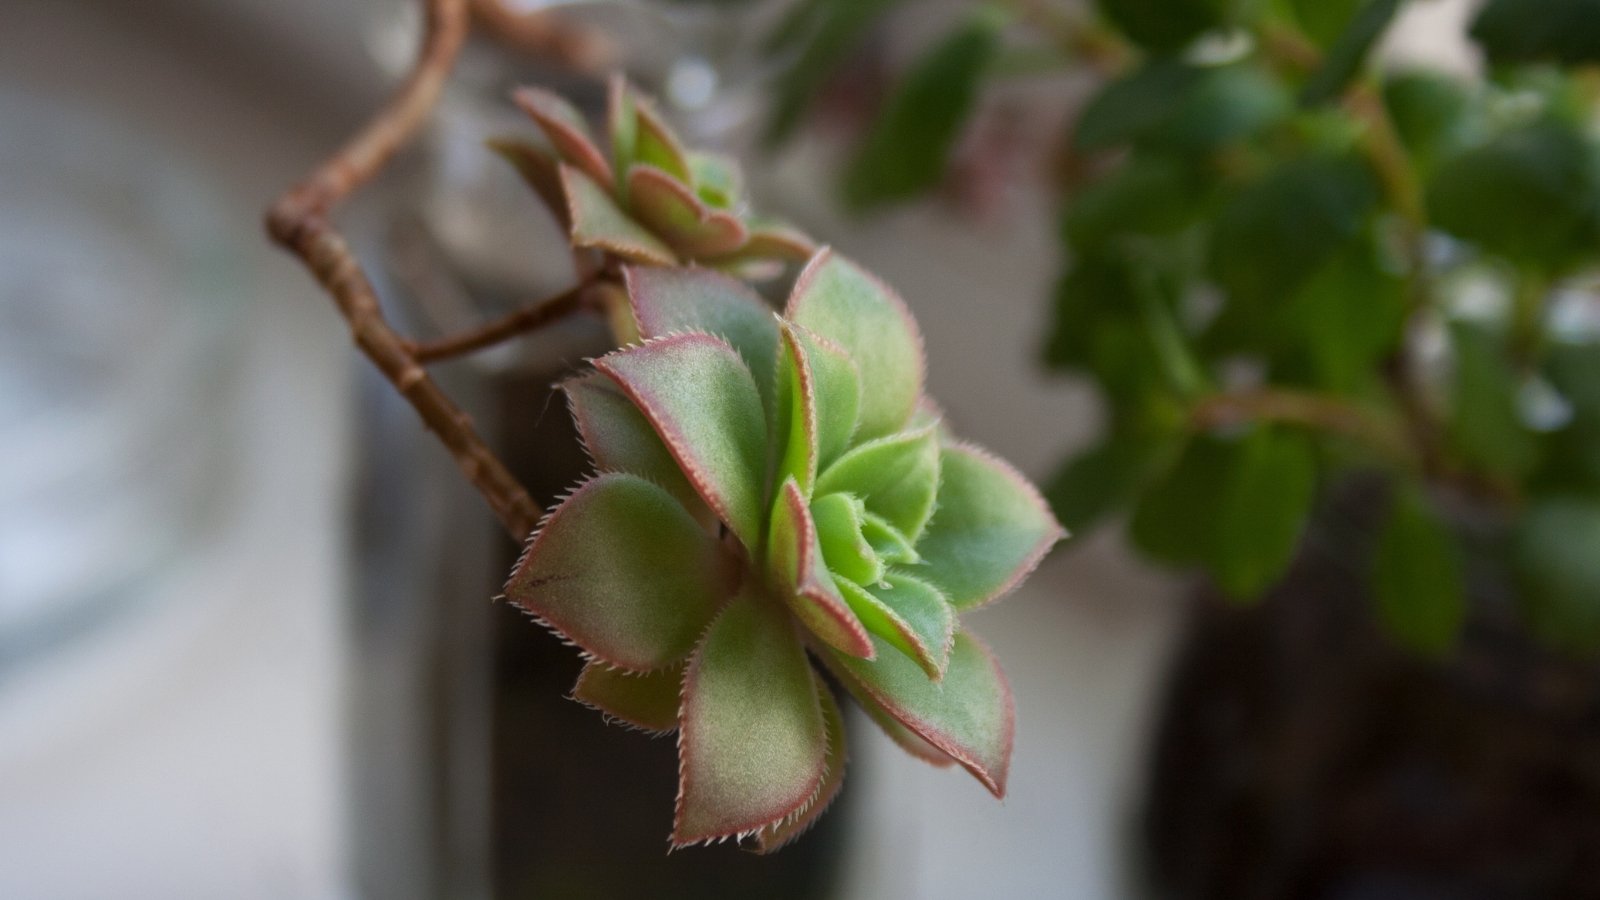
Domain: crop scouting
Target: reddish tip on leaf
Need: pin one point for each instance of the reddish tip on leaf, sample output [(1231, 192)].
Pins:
[(565, 128), (813, 595), (672, 211), (597, 221)]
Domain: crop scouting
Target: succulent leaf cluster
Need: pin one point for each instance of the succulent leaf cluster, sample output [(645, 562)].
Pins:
[(773, 493), (644, 198)]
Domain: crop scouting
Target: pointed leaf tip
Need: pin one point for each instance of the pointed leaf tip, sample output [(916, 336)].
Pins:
[(812, 593), (565, 127), (646, 700), (623, 571), (597, 221)]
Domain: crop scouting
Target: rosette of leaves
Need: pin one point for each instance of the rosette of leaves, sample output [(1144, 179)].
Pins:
[(645, 199), (774, 492)]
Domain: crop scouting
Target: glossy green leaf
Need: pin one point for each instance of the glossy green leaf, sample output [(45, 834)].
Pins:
[(1165, 26), (1348, 317), (619, 438), (1417, 580), (1105, 478), (777, 836), (1176, 519), (1148, 196), (752, 745), (896, 477), (1484, 426), (668, 301), (671, 210), (991, 529), (846, 550), (799, 568), (1345, 57), (1561, 31), (909, 144), (1432, 114), (1324, 20), (848, 306), (968, 715), (623, 571), (1169, 105), (567, 131), (647, 700), (911, 615), (598, 222), (1265, 502), (699, 395), (1531, 195)]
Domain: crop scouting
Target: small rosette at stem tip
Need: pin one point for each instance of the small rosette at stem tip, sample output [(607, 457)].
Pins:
[(774, 492), (640, 194)]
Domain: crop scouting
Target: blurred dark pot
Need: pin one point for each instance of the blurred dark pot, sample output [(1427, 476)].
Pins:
[(1300, 753)]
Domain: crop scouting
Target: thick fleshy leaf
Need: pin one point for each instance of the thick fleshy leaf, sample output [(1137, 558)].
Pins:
[(700, 398), (622, 124), (668, 301), (991, 529), (910, 614), (901, 735), (796, 560), (890, 545), (845, 304), (897, 477), (769, 839), (772, 240), (752, 742), (674, 213), (566, 129), (596, 221), (795, 415), (716, 178), (623, 571), (657, 145), (620, 439), (838, 389), (968, 715), (540, 170), (845, 549), (647, 700)]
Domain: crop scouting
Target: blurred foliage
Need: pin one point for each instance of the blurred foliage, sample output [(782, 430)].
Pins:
[(1288, 264)]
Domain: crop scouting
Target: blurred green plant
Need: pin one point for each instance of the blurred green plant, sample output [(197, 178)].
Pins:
[(1288, 264)]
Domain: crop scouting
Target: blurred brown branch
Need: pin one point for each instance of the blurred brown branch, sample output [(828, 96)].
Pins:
[(541, 34), (299, 221)]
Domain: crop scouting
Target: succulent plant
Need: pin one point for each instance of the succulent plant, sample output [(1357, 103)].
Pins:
[(649, 200), (771, 488)]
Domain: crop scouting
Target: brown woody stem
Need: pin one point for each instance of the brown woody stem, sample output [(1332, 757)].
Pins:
[(1309, 410), (300, 223), (530, 318)]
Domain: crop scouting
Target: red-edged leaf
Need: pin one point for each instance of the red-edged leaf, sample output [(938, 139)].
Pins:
[(598, 222), (668, 301), (623, 126), (623, 571), (769, 839), (990, 531), (566, 129), (670, 209), (701, 399), (657, 145), (620, 439), (540, 170), (780, 241), (795, 415), (968, 715), (896, 477), (645, 700), (796, 561), (910, 614), (847, 305), (904, 737), (752, 739)]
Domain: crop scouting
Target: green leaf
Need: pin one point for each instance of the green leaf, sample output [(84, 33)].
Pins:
[(623, 571), (896, 477), (752, 746), (1177, 107), (1275, 234), (646, 700), (620, 439), (991, 529), (598, 222), (909, 144), (1176, 520), (844, 303), (798, 566), (1105, 478), (1325, 20), (1148, 196), (911, 615), (1559, 571), (821, 34), (1417, 580), (1165, 26), (1485, 426), (968, 715), (821, 391), (702, 401), (669, 301), (1345, 58), (1570, 457), (1431, 114), (1265, 502), (846, 550), (622, 121), (772, 838), (1348, 317), (1531, 195), (886, 540), (669, 208), (656, 145), (567, 131), (1561, 31), (717, 180)]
